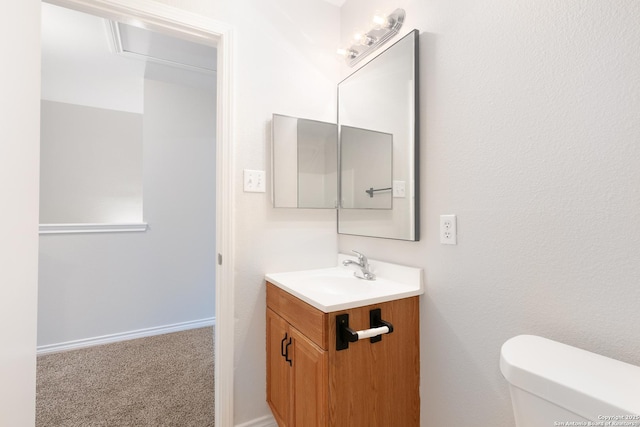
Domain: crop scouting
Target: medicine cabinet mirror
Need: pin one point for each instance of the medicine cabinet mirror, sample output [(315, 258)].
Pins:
[(371, 155), (305, 163)]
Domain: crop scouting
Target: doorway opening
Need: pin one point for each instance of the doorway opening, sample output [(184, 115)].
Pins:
[(186, 26)]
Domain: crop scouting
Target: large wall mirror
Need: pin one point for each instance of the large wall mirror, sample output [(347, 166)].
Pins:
[(378, 139), (371, 156)]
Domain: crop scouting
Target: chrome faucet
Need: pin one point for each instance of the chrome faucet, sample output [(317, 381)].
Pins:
[(363, 263)]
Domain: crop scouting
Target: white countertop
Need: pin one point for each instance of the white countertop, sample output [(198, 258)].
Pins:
[(335, 288)]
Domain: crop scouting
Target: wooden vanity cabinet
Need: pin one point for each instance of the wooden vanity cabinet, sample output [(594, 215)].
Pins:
[(310, 383), (297, 375)]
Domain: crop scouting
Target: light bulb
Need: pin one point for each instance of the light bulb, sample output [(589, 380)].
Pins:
[(367, 40), (380, 21), (347, 53)]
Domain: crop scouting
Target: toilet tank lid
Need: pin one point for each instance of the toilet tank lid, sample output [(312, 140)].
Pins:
[(589, 384)]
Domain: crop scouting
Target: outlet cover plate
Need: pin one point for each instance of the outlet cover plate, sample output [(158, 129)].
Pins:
[(448, 230)]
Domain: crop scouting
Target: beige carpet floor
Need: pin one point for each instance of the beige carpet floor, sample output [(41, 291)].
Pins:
[(165, 380)]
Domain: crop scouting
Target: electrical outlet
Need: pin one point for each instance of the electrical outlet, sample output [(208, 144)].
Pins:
[(448, 230), (254, 181)]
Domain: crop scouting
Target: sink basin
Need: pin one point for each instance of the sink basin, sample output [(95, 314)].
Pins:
[(336, 288)]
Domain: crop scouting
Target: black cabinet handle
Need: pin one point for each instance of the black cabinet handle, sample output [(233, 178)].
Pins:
[(282, 353), (286, 356)]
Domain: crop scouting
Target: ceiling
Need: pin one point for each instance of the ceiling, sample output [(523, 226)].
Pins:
[(338, 3), (88, 60)]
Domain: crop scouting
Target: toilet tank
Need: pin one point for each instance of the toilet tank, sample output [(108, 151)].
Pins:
[(552, 383)]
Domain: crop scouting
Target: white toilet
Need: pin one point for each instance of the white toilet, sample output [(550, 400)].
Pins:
[(553, 383)]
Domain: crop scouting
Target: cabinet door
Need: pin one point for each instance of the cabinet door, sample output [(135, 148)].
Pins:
[(378, 384), (278, 369), (310, 382)]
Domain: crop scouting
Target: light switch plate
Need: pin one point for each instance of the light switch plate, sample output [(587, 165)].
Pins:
[(399, 189), (254, 181)]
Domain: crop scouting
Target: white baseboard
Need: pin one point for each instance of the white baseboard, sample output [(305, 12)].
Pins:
[(123, 336), (266, 421)]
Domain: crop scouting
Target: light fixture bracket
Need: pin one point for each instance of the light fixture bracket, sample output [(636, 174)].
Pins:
[(375, 37)]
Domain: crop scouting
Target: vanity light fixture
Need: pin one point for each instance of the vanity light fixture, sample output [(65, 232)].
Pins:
[(384, 28), (347, 53)]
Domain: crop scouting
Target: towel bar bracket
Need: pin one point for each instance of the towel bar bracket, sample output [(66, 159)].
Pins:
[(377, 328)]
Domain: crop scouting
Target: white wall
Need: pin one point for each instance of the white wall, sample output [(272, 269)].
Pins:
[(98, 284), (90, 165), (529, 124), (19, 158), (78, 66), (286, 50)]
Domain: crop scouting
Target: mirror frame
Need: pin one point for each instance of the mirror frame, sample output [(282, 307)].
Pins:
[(413, 142)]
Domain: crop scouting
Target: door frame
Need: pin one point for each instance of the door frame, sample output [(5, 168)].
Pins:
[(181, 23)]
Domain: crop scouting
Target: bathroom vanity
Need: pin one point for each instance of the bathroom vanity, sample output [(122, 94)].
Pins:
[(319, 373)]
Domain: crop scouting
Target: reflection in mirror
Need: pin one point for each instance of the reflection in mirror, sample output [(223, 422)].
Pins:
[(365, 168), (381, 97), (305, 159)]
